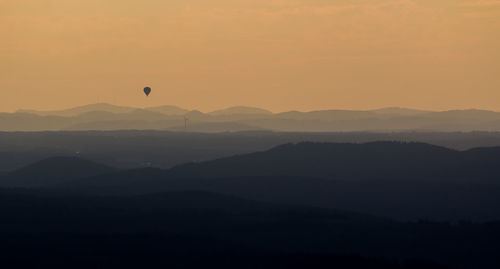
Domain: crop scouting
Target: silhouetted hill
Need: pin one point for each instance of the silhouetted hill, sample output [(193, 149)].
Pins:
[(168, 110), (467, 114), (399, 111), (123, 125), (376, 160), (327, 115), (175, 202), (136, 114), (398, 180), (53, 171), (32, 122), (241, 110), (165, 149), (340, 161), (104, 107), (196, 115), (214, 127), (82, 109)]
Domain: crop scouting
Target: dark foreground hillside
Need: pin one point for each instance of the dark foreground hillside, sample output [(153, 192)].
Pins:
[(199, 229)]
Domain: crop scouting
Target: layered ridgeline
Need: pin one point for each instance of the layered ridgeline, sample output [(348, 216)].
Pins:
[(110, 117), (165, 149), (399, 180), (306, 205)]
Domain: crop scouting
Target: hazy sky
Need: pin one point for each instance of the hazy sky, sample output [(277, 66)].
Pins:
[(276, 54)]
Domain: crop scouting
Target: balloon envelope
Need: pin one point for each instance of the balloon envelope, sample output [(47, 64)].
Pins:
[(147, 91)]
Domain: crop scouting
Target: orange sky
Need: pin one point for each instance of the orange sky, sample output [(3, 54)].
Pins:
[(275, 54)]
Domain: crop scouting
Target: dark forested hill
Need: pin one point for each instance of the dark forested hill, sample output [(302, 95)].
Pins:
[(377, 160), (132, 149), (53, 171), (398, 180)]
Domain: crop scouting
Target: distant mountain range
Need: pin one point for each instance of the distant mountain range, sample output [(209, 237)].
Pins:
[(167, 110), (241, 110), (110, 117)]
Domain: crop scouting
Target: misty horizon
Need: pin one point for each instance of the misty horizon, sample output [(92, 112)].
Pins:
[(104, 116), (21, 109)]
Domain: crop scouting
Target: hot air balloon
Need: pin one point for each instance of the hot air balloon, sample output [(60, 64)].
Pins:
[(147, 91)]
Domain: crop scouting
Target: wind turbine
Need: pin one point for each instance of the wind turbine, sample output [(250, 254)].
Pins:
[(186, 119)]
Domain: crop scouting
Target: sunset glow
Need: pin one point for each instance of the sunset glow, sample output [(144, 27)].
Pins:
[(275, 54)]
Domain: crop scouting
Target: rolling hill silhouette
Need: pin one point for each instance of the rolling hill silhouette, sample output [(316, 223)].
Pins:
[(215, 127), (340, 161), (168, 110), (327, 115), (376, 160), (132, 149), (400, 111), (241, 110), (54, 170), (80, 110), (398, 180), (104, 107)]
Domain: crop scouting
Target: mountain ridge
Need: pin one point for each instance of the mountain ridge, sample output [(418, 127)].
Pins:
[(96, 116), (240, 110)]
